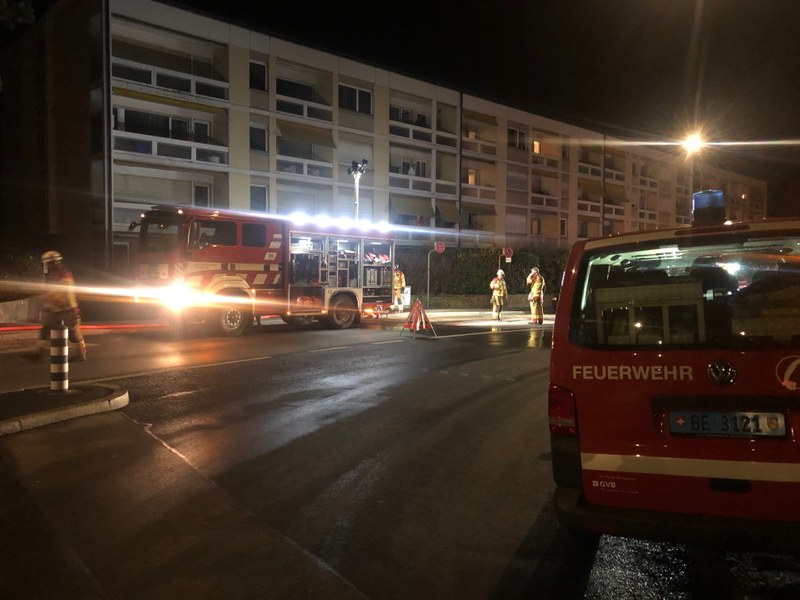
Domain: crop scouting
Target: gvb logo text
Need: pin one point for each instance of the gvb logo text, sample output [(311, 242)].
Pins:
[(608, 485)]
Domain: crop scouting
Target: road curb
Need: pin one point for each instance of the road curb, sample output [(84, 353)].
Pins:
[(82, 401)]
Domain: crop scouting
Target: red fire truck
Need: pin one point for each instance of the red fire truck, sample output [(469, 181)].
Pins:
[(224, 268), (674, 398)]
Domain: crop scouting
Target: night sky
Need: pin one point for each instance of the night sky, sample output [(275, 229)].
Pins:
[(638, 69)]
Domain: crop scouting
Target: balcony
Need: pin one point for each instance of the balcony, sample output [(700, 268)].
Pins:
[(540, 160), (589, 207), (409, 182), (614, 175), (542, 199), (648, 182), (157, 147), (168, 80), (614, 210), (589, 169), (473, 144), (303, 166), (446, 139), (647, 215), (484, 192), (417, 132), (446, 187), (303, 108)]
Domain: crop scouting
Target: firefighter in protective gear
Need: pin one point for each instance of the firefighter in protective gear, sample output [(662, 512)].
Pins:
[(499, 294), (60, 306), (398, 284), (535, 282)]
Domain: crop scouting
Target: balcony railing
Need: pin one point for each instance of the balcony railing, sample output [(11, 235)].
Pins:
[(648, 182), (545, 161), (478, 146), (543, 200), (614, 210), (614, 175), (302, 166), (588, 206), (587, 169), (484, 192), (683, 220), (166, 79), (149, 145), (409, 182), (446, 187), (410, 131), (446, 139), (647, 215), (303, 108)]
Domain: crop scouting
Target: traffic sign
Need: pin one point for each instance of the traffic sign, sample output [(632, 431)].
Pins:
[(509, 252), (439, 247)]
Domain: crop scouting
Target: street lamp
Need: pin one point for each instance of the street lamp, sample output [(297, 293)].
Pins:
[(356, 170), (692, 144)]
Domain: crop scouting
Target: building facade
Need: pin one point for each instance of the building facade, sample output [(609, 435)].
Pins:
[(112, 106)]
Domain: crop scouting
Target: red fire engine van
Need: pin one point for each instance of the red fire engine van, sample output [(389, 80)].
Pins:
[(674, 398), (223, 267)]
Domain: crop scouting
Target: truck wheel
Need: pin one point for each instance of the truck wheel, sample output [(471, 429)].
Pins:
[(342, 312), (233, 320)]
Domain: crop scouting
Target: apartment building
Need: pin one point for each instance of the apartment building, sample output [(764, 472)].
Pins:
[(112, 106)]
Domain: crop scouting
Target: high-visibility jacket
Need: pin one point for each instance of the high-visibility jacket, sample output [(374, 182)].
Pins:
[(62, 296), (536, 281), (499, 290), (399, 280)]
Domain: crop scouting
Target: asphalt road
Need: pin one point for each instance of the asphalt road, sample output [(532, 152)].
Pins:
[(314, 463)]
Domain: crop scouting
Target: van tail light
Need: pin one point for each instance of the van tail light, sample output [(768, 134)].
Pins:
[(561, 410)]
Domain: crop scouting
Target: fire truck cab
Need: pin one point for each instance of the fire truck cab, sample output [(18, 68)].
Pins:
[(224, 268), (674, 399)]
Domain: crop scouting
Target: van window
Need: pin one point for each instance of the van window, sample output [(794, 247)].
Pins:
[(216, 233), (730, 294), (254, 235)]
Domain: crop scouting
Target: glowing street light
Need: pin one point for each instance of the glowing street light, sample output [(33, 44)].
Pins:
[(693, 143), (357, 170)]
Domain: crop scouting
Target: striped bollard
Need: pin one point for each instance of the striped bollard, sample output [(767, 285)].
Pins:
[(59, 358)]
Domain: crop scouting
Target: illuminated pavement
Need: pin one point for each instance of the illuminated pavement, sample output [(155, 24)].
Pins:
[(34, 407)]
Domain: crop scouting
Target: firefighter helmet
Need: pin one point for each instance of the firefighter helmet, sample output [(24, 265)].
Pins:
[(51, 256), (501, 273)]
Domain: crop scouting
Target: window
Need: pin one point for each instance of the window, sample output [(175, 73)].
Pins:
[(583, 229), (202, 132), (562, 227), (217, 233), (202, 194), (258, 76), (254, 235), (517, 139), (258, 137), (536, 147), (355, 99), (258, 198)]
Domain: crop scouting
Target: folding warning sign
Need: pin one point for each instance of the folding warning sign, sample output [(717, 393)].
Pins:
[(418, 320)]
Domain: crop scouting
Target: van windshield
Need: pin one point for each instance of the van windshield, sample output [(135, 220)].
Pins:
[(730, 291)]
